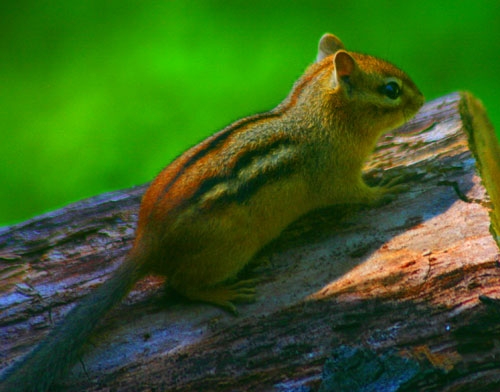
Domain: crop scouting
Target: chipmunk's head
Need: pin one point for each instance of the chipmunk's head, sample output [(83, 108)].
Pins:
[(379, 95)]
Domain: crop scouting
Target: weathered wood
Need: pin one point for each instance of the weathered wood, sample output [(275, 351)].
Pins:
[(385, 296)]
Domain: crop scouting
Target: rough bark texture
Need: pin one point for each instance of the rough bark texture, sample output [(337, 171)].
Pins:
[(401, 297)]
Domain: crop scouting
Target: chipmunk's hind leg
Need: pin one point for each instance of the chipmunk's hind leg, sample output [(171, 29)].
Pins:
[(223, 295)]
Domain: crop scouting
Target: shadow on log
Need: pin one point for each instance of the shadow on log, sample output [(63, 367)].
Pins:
[(401, 297)]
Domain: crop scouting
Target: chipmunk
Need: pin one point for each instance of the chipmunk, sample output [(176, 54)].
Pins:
[(213, 208)]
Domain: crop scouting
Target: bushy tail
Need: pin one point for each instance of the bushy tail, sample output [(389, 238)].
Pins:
[(53, 357)]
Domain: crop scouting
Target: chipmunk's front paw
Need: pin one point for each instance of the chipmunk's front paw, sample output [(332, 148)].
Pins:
[(388, 191), (396, 185)]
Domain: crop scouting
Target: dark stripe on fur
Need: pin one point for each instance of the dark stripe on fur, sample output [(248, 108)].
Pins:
[(249, 187)]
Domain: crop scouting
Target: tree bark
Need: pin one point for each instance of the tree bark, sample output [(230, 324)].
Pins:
[(399, 297)]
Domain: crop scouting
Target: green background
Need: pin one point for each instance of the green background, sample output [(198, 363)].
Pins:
[(100, 95)]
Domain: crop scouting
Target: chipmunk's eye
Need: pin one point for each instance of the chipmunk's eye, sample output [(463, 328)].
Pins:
[(391, 90)]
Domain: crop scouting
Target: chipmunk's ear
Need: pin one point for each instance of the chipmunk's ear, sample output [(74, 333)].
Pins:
[(344, 66), (328, 44), (344, 63)]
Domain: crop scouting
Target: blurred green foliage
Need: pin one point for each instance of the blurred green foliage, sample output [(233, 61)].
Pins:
[(100, 95)]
